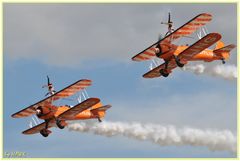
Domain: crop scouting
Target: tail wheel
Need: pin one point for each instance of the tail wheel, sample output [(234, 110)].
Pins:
[(223, 61), (60, 124), (44, 133), (163, 72), (99, 120)]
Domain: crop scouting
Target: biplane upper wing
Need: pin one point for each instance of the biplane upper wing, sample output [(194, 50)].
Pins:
[(66, 92), (189, 27), (199, 46), (70, 114), (186, 29), (156, 71), (72, 89), (30, 110), (38, 128)]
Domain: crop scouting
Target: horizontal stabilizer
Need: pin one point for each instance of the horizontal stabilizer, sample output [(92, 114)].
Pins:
[(225, 49), (103, 108)]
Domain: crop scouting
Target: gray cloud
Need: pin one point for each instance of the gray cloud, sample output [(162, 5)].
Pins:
[(69, 34)]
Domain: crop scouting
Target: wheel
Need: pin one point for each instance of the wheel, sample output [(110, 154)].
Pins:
[(178, 62), (223, 61), (44, 133), (59, 124), (163, 72)]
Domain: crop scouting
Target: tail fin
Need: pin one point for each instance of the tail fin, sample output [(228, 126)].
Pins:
[(224, 51), (219, 45), (97, 106)]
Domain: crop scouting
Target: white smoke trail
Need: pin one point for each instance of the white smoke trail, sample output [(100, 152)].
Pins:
[(197, 69), (228, 72), (162, 135)]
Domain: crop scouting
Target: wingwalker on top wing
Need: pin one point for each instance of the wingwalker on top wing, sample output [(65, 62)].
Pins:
[(56, 116), (178, 55)]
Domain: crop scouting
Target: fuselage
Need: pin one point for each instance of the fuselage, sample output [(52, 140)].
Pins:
[(52, 111), (206, 55)]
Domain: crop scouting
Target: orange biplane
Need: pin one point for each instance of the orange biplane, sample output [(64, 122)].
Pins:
[(56, 116), (178, 55)]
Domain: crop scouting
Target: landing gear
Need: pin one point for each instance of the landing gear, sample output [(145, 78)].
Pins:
[(223, 61), (163, 72), (178, 61), (60, 124), (45, 132), (99, 120)]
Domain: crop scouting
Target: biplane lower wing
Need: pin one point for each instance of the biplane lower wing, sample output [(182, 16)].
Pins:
[(199, 46), (69, 114), (156, 71), (38, 128), (66, 92)]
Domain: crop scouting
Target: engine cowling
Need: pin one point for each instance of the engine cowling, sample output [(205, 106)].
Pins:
[(44, 112), (162, 48)]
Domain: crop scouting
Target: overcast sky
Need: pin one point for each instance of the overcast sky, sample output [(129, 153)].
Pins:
[(69, 42)]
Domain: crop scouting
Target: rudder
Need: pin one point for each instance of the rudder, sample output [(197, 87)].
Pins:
[(219, 45)]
